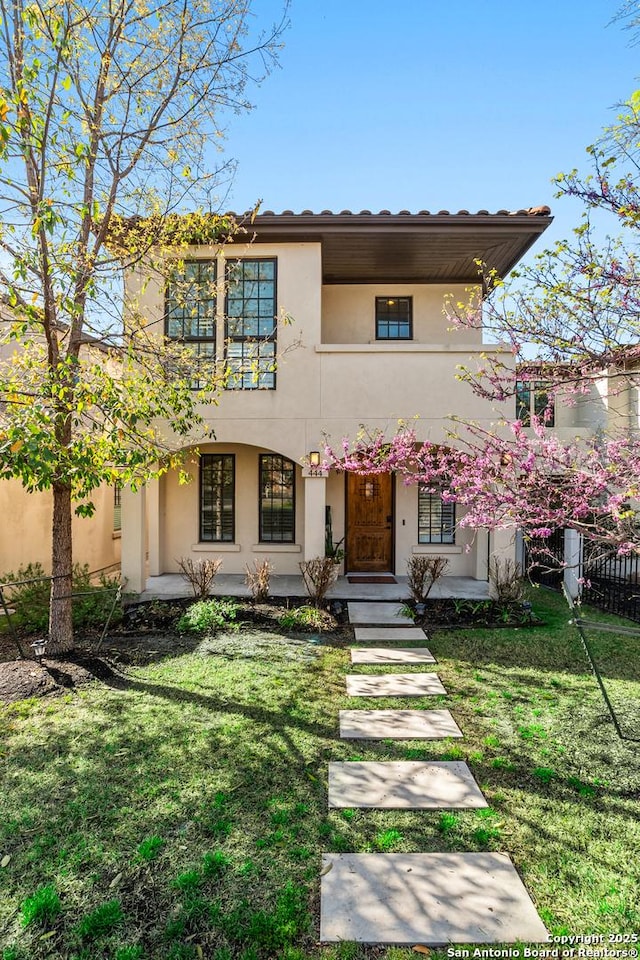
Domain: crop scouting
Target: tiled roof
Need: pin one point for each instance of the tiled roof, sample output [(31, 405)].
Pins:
[(541, 211)]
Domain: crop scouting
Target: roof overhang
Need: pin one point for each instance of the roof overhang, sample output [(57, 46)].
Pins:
[(408, 247)]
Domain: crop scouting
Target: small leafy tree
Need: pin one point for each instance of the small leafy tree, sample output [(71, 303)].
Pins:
[(107, 112)]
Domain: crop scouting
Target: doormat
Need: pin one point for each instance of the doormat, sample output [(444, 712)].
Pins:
[(372, 579)]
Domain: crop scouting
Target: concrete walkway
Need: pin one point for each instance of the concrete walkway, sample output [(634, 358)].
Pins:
[(417, 898)]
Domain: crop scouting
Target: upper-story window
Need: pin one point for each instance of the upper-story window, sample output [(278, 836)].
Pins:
[(394, 318), (251, 324), (190, 309), (533, 399)]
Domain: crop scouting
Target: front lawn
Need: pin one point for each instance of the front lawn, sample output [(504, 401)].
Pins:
[(183, 814)]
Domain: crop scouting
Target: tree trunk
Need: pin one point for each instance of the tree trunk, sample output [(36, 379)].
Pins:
[(60, 611)]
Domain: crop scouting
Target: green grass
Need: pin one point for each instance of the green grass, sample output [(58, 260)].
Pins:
[(186, 814)]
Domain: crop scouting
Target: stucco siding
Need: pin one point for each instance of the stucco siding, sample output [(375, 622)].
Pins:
[(26, 530), (348, 312)]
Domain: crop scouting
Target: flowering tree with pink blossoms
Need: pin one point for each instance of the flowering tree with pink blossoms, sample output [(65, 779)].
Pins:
[(572, 322)]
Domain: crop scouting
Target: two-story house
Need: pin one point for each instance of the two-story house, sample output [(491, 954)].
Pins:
[(368, 343)]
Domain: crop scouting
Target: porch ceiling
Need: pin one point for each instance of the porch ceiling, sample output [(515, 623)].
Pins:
[(408, 248)]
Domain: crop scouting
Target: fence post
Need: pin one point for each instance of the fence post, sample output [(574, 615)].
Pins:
[(573, 563)]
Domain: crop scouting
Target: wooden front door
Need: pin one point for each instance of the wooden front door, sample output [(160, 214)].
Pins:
[(369, 522)]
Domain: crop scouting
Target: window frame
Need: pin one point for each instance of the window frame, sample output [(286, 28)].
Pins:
[(191, 341), (117, 508), (204, 457), (450, 525), (258, 340), (378, 320), (261, 538), (535, 391)]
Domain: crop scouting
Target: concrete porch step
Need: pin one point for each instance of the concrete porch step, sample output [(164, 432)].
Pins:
[(378, 613), (393, 634)]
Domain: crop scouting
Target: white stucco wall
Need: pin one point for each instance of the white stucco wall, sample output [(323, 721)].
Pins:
[(348, 312), (26, 530)]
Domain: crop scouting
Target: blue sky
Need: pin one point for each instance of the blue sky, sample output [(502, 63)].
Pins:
[(423, 105)]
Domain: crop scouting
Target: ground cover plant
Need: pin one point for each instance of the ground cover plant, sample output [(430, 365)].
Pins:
[(178, 809)]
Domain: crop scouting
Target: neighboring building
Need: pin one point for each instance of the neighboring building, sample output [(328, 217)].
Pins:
[(25, 536), (369, 344)]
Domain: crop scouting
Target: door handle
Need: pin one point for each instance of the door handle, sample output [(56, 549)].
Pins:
[(389, 519)]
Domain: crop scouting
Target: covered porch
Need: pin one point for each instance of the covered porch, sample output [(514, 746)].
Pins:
[(173, 586)]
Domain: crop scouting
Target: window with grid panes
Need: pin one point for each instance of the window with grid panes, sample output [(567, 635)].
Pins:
[(532, 399), (393, 318), (217, 494), (277, 499), (117, 508), (251, 324), (436, 519), (190, 311)]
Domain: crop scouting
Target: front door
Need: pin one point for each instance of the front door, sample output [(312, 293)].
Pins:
[(369, 522)]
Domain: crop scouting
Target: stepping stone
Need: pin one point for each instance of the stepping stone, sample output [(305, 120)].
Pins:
[(374, 634), (404, 785), (426, 898), (397, 725), (392, 655), (394, 685), (389, 614)]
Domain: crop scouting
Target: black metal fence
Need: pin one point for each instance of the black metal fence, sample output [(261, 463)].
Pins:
[(611, 582), (544, 557)]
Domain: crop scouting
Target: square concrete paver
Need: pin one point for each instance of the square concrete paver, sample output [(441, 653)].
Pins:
[(379, 613), (375, 634), (404, 655), (426, 898), (397, 725), (404, 785), (394, 685)]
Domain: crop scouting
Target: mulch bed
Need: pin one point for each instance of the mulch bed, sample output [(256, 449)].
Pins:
[(20, 679)]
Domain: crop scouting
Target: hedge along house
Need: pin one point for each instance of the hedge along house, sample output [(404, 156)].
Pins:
[(368, 344)]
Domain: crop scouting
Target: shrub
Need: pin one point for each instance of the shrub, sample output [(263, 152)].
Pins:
[(41, 907), (31, 599), (506, 580), (102, 920), (318, 575), (93, 609), (258, 579), (207, 616), (422, 573), (305, 618), (200, 574)]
